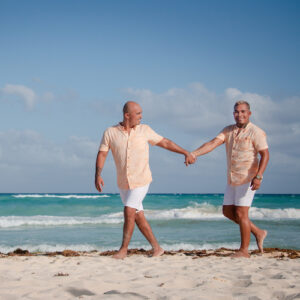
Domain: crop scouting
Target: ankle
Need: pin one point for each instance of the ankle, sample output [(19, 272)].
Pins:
[(156, 247), (123, 249), (244, 250)]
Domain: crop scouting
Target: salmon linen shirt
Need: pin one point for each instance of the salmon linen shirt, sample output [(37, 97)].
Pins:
[(242, 149), (130, 153)]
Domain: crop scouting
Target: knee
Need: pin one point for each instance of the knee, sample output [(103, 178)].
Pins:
[(129, 213), (227, 213), (241, 216), (139, 217)]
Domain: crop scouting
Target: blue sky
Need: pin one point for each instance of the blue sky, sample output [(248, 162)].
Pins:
[(68, 66)]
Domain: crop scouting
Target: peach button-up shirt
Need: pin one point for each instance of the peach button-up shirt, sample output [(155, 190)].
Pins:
[(242, 151), (130, 153)]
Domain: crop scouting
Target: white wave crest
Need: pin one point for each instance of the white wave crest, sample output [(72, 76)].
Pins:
[(53, 248), (270, 214), (195, 211), (206, 211), (60, 196), (202, 211), (17, 221), (90, 247)]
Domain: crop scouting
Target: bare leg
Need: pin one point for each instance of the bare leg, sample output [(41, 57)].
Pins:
[(245, 230), (229, 211), (146, 230), (129, 223)]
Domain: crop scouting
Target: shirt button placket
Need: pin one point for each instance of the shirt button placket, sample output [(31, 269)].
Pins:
[(127, 162)]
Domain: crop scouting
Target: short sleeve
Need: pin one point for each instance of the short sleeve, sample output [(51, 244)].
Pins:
[(152, 136), (260, 140), (222, 134), (105, 142)]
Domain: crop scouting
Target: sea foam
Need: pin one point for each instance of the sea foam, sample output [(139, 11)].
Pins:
[(195, 211), (60, 196), (90, 247)]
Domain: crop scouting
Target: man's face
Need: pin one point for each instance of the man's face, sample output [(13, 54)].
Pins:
[(241, 114), (135, 115)]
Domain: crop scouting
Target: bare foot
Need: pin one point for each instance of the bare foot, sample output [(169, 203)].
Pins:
[(158, 252), (121, 254), (260, 240), (240, 254)]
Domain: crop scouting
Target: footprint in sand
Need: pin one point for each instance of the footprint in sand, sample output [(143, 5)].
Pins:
[(278, 276), (129, 295), (80, 292), (243, 283)]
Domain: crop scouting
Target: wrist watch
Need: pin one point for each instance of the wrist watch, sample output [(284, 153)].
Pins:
[(258, 177)]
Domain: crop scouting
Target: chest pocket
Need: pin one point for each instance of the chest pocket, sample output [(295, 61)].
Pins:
[(139, 143), (244, 144)]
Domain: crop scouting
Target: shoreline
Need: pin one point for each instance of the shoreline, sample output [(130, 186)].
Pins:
[(221, 252)]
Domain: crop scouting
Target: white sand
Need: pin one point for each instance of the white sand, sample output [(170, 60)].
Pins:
[(139, 277)]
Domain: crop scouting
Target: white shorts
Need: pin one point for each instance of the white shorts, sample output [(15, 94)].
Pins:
[(240, 195), (134, 198)]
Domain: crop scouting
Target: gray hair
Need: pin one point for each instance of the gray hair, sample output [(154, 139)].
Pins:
[(241, 102)]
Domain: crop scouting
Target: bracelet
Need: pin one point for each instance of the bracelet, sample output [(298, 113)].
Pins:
[(258, 177)]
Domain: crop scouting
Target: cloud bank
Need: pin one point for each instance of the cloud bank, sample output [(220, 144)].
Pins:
[(191, 115), (22, 92)]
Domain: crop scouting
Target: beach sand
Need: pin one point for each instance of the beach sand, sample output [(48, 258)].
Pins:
[(175, 275)]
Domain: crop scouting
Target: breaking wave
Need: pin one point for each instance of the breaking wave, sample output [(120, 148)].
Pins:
[(60, 196), (90, 247), (195, 211)]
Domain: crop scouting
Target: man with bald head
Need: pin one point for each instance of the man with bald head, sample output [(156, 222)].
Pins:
[(128, 142)]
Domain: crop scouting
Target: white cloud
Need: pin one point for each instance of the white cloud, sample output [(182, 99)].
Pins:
[(195, 109), (13, 92), (47, 97), (190, 115), (202, 114), (24, 93), (29, 148), (29, 162)]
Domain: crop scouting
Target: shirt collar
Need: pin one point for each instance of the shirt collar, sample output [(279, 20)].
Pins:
[(121, 128), (243, 128)]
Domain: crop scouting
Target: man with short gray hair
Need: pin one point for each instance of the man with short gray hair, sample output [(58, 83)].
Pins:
[(243, 141)]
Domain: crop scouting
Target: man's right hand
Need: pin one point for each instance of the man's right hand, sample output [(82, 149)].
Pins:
[(99, 183), (190, 159)]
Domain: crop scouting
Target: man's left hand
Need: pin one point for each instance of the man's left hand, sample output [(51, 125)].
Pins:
[(255, 184), (190, 159)]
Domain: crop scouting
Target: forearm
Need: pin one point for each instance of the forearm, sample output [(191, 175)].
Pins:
[(101, 157), (263, 161), (207, 147), (256, 181), (171, 146)]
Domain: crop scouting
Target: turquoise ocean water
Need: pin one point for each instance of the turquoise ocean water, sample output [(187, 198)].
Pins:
[(54, 222)]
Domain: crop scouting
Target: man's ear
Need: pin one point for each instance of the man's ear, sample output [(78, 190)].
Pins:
[(126, 115)]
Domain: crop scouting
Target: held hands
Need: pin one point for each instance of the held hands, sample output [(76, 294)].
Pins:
[(99, 183), (190, 158)]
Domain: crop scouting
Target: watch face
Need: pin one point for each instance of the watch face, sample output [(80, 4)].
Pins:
[(258, 177)]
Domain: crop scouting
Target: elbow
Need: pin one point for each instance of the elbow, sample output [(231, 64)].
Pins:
[(164, 143)]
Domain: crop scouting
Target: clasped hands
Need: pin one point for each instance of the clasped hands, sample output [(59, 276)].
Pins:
[(190, 158)]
